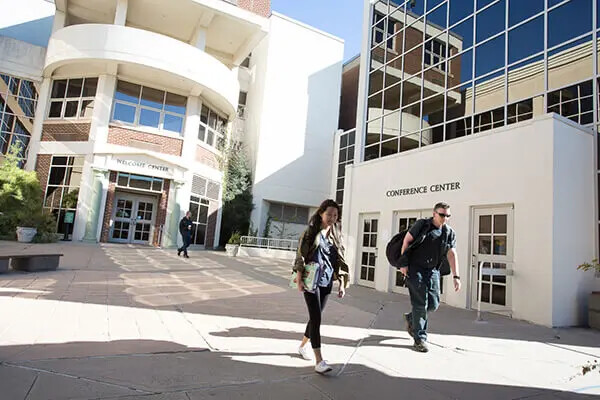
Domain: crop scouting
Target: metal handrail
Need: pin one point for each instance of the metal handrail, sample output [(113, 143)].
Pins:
[(508, 272), (268, 243)]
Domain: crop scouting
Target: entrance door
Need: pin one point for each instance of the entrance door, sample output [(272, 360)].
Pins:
[(133, 217), (368, 249), (493, 251)]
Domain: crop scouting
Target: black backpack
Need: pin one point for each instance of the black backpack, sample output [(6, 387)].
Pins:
[(394, 247)]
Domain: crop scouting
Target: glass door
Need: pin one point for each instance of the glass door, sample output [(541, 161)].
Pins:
[(368, 249), (493, 252), (122, 215), (144, 216), (133, 219)]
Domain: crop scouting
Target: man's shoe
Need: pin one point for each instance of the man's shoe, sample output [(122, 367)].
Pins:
[(304, 353), (323, 367), (178, 252), (421, 346), (186, 256), (409, 327)]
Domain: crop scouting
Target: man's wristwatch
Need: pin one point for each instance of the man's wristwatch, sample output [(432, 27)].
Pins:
[(456, 277)]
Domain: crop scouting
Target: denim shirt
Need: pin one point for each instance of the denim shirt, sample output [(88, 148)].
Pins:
[(326, 257)]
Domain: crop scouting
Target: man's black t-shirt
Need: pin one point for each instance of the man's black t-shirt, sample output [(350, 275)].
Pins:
[(427, 254)]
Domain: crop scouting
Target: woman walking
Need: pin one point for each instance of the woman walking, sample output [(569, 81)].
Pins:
[(321, 244)]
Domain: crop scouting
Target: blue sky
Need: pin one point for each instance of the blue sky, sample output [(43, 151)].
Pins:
[(341, 18)]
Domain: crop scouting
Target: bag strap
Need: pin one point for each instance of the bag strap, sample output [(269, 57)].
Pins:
[(445, 236)]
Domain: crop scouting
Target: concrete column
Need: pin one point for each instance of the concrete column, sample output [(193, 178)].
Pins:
[(60, 20), (38, 123), (102, 107), (171, 232), (199, 38), (121, 12), (94, 212), (190, 133)]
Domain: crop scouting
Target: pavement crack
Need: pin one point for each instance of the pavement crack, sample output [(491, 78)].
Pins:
[(184, 315), (31, 387), (71, 376)]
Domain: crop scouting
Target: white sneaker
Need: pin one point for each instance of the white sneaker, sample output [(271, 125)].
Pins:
[(304, 353), (323, 367)]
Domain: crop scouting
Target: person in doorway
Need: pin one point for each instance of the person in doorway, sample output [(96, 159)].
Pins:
[(185, 228), (428, 244), (321, 243)]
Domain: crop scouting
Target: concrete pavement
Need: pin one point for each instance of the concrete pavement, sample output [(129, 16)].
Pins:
[(128, 322)]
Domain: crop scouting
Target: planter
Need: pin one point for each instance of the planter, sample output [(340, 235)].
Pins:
[(232, 249), (594, 310), (25, 234)]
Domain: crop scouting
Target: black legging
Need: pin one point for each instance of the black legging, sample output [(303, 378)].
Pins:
[(315, 303)]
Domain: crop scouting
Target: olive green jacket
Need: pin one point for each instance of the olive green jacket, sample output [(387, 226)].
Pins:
[(307, 250)]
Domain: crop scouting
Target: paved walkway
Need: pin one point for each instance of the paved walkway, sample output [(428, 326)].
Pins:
[(122, 322)]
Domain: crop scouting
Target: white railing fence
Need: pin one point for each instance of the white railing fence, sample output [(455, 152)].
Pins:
[(269, 243)]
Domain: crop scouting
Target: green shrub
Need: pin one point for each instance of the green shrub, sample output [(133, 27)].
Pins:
[(235, 238), (21, 199)]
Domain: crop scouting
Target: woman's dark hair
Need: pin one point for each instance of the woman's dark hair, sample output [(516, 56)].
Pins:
[(314, 224)]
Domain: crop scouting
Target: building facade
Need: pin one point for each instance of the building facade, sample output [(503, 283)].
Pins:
[(125, 114), (491, 106)]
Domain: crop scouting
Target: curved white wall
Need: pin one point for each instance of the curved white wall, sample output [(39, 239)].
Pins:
[(135, 46)]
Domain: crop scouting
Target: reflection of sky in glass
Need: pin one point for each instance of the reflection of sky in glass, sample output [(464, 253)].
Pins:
[(124, 113)]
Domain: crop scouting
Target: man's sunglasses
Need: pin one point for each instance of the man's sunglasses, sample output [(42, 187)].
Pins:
[(443, 215)]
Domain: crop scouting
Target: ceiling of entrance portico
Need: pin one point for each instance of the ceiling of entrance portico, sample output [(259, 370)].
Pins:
[(227, 28)]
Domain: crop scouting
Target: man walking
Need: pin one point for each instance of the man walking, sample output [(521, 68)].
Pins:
[(185, 228), (427, 245)]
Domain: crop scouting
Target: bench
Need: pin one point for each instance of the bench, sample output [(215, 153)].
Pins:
[(30, 262)]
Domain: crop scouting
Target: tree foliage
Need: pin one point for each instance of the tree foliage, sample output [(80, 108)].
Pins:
[(21, 198), (237, 193)]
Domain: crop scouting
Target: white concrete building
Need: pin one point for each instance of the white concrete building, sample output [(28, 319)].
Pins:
[(125, 112), (506, 136)]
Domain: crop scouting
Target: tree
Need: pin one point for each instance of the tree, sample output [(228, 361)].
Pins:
[(20, 198), (237, 193)]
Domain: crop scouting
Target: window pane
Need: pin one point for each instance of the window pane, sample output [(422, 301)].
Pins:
[(575, 10), (74, 88), (462, 34), (490, 21), (526, 40), (152, 98), (57, 175), (55, 109), (58, 89), (87, 107), (175, 103), (489, 56), (149, 118), (173, 123), (459, 10), (128, 92), (89, 87), (124, 112), (123, 179), (71, 109), (140, 182), (519, 10)]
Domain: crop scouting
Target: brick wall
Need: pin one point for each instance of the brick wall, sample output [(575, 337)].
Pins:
[(209, 240), (42, 168), (161, 214), (66, 132), (146, 141), (205, 156), (260, 7), (110, 199)]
